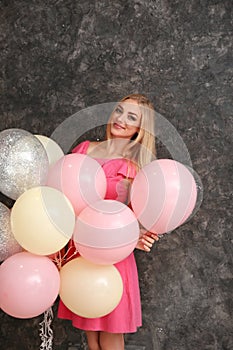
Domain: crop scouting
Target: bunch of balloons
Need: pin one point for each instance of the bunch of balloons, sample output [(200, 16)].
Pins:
[(50, 191), (30, 281), (61, 197)]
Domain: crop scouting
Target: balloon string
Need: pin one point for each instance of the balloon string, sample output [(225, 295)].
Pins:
[(60, 259), (46, 332), (83, 342)]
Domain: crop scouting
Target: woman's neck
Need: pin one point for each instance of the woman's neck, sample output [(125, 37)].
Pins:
[(112, 148), (116, 146)]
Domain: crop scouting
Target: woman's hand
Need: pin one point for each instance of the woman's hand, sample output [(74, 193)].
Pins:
[(146, 240)]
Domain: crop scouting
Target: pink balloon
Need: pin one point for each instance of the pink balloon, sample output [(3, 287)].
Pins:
[(80, 177), (105, 256), (106, 233), (29, 285), (163, 195)]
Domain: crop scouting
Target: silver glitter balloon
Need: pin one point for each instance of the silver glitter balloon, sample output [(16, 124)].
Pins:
[(8, 244), (23, 162)]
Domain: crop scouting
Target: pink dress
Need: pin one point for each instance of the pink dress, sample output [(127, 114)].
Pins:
[(126, 317)]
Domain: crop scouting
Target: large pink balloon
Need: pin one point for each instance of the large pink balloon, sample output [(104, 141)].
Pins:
[(163, 195), (80, 178), (29, 285), (107, 232)]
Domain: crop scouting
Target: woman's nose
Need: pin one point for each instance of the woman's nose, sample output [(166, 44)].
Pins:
[(121, 118)]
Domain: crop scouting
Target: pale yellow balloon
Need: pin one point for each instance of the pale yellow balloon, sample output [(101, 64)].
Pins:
[(42, 220), (90, 290), (53, 150)]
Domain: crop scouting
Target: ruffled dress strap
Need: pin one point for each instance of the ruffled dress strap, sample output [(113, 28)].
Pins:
[(82, 147), (127, 169)]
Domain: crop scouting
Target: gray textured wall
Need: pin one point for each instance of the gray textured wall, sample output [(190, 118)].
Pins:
[(58, 57)]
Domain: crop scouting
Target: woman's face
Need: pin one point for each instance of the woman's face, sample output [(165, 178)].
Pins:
[(125, 120)]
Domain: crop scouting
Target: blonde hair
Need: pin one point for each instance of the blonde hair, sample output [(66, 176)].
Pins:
[(141, 149)]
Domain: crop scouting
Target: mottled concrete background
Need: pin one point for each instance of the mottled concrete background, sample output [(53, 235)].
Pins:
[(58, 57)]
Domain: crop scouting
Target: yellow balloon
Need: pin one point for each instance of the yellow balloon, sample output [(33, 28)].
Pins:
[(90, 290), (42, 220)]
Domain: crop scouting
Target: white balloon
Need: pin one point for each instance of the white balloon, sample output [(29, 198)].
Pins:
[(53, 150)]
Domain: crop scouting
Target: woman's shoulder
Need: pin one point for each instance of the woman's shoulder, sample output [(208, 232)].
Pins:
[(81, 147), (85, 147), (92, 145)]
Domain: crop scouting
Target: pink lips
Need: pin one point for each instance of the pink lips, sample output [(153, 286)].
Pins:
[(118, 126)]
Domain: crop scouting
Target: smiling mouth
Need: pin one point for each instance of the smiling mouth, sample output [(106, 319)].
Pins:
[(118, 126)]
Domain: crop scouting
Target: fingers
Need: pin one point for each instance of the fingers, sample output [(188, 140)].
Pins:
[(155, 236), (148, 239), (146, 248), (147, 243), (143, 232)]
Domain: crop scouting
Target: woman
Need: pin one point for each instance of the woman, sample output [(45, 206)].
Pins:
[(129, 145)]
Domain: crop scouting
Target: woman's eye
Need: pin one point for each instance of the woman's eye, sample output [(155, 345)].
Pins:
[(118, 110), (132, 117)]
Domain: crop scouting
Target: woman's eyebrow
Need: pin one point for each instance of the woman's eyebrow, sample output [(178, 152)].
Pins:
[(133, 114), (129, 111)]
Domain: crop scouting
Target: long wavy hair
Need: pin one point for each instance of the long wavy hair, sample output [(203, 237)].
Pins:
[(141, 148)]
